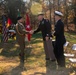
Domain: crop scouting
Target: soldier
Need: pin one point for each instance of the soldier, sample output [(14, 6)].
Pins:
[(60, 39), (45, 28), (20, 36)]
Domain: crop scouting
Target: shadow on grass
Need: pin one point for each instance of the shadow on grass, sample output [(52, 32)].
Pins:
[(71, 37), (9, 50), (38, 73), (16, 71), (71, 32), (53, 69)]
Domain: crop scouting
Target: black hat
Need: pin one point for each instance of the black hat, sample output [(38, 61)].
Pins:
[(18, 18)]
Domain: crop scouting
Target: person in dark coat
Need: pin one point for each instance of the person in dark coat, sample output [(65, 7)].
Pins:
[(60, 39), (20, 37), (45, 28)]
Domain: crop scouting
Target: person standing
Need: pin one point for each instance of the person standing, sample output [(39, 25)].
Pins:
[(20, 36), (60, 39), (45, 28)]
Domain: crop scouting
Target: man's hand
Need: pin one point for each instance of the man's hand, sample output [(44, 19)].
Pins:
[(47, 38), (53, 32), (31, 32)]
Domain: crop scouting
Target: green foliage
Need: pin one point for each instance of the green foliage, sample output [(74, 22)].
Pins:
[(74, 8), (12, 7)]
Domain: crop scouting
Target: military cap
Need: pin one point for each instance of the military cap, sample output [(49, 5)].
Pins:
[(58, 13), (40, 13), (18, 18)]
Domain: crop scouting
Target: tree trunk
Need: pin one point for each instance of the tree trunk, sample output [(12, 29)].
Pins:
[(58, 5), (50, 9), (54, 10), (66, 14)]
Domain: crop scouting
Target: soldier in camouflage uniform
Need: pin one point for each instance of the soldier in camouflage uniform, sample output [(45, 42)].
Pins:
[(20, 36)]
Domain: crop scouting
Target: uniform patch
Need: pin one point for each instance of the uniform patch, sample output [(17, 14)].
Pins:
[(42, 22)]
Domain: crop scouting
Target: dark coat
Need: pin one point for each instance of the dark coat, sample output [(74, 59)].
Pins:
[(45, 28), (59, 32)]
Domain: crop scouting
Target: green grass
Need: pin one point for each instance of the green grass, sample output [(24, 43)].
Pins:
[(36, 38), (71, 37), (35, 55)]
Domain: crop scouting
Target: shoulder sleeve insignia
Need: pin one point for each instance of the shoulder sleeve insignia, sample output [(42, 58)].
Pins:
[(42, 22)]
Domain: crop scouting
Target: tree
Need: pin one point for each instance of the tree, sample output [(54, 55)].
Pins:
[(74, 7), (12, 8), (66, 13)]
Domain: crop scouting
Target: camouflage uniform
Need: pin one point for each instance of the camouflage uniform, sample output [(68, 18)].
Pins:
[(20, 37)]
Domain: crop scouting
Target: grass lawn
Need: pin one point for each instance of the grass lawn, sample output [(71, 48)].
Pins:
[(35, 63)]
